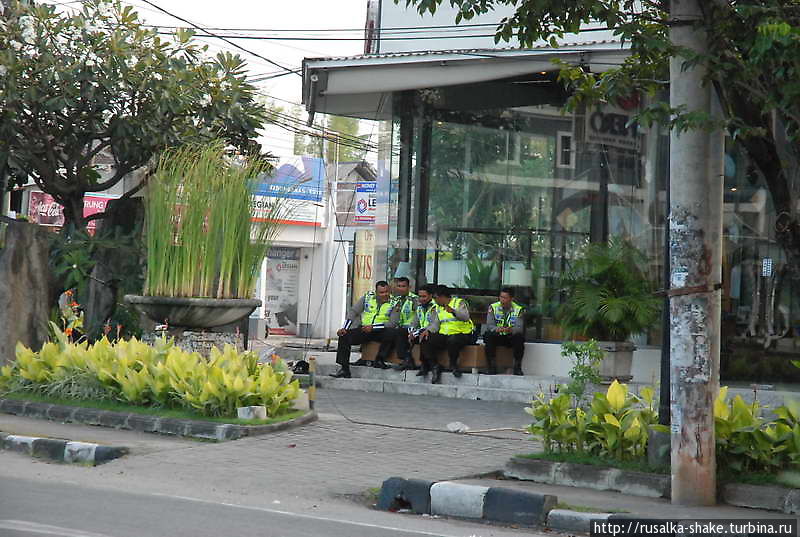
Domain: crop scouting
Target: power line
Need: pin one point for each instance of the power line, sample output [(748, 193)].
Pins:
[(148, 2)]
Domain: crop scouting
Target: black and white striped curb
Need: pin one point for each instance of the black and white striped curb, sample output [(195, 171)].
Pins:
[(497, 504), (61, 450)]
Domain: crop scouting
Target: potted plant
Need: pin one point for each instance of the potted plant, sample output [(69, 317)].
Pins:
[(609, 299), (204, 248)]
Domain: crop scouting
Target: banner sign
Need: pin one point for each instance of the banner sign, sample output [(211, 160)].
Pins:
[(280, 307), (45, 211), (366, 202), (363, 262), (301, 182)]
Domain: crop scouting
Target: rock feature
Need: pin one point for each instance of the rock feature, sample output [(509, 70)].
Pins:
[(24, 287)]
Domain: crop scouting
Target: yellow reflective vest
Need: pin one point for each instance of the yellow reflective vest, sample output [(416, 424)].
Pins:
[(449, 324)]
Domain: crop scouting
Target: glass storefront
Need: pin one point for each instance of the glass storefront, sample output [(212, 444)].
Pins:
[(489, 188)]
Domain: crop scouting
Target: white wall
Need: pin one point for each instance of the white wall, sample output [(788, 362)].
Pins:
[(398, 16), (544, 359)]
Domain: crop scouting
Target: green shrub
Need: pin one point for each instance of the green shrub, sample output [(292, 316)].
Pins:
[(586, 357), (746, 442), (158, 375), (615, 425)]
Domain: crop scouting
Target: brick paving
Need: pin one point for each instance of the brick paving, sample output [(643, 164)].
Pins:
[(330, 457)]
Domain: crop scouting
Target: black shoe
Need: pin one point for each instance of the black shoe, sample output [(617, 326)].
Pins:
[(437, 375), (380, 364), (342, 374), (491, 371), (457, 373), (361, 361), (423, 372), (518, 371), (399, 367)]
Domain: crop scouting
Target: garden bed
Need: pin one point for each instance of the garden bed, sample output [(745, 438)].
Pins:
[(163, 421)]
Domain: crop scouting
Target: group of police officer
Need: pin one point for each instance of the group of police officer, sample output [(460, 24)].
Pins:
[(435, 320)]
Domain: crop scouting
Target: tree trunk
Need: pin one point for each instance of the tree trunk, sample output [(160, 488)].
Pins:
[(696, 187), (73, 213)]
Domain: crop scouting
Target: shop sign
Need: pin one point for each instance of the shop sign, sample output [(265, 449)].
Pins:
[(283, 274), (363, 263), (612, 126), (45, 211), (366, 203)]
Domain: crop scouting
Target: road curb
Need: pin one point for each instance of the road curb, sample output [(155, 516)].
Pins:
[(571, 521), (59, 450), (446, 498), (145, 423)]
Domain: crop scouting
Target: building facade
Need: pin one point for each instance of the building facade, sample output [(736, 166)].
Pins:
[(485, 179)]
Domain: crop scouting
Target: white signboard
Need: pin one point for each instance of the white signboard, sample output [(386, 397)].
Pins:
[(280, 308), (366, 202)]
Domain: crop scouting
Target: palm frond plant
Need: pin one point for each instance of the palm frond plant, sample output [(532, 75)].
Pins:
[(608, 296), (202, 239)]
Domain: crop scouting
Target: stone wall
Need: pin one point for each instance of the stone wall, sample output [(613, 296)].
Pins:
[(200, 342), (24, 287)]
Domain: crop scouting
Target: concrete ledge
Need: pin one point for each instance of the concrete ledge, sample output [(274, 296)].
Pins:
[(409, 388), (457, 499), (363, 385), (139, 422), (772, 498), (493, 394), (61, 450), (537, 470), (573, 521), (517, 507), (588, 476)]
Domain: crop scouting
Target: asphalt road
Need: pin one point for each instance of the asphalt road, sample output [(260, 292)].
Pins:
[(41, 507)]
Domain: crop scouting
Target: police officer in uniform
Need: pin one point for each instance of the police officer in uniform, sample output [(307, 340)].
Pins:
[(504, 328), (372, 318), (405, 302), (424, 312), (455, 331)]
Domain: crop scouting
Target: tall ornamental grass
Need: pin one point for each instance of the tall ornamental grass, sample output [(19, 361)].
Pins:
[(201, 237)]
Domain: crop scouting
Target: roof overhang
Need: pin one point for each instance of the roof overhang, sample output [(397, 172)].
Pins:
[(362, 86)]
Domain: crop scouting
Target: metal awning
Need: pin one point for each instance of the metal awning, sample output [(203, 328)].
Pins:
[(362, 86)]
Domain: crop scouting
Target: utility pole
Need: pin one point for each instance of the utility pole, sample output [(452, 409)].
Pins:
[(696, 260)]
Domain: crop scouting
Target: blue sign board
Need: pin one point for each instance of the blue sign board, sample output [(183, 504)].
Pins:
[(288, 181)]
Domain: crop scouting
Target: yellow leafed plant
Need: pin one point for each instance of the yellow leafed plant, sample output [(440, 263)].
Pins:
[(160, 375)]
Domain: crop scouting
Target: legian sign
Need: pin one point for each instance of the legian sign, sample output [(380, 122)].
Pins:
[(301, 185)]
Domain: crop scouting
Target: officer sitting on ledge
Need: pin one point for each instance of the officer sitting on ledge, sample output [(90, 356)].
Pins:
[(455, 331), (504, 328), (372, 318)]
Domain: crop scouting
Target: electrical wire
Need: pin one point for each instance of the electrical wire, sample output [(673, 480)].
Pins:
[(211, 34)]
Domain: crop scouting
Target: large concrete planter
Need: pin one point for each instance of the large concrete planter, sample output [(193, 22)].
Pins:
[(618, 361), (194, 313)]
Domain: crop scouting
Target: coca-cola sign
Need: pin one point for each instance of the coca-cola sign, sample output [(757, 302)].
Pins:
[(45, 211)]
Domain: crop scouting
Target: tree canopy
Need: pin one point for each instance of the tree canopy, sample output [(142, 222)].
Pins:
[(77, 85), (752, 56)]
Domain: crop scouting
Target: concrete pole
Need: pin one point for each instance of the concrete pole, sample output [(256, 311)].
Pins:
[(695, 258)]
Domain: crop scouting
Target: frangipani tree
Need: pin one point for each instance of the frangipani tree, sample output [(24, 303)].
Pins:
[(75, 85)]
